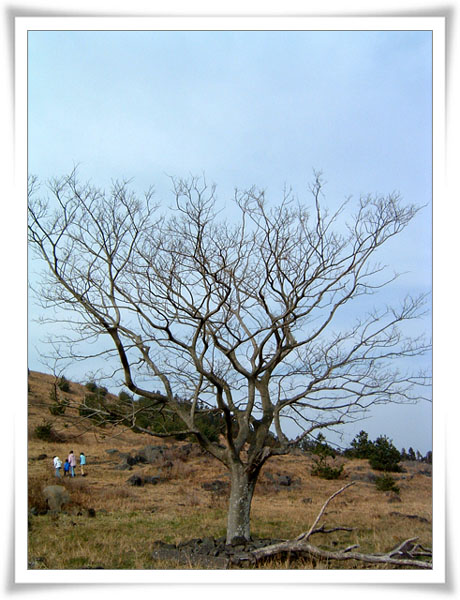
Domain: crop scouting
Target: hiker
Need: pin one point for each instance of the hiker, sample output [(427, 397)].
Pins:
[(66, 467), (57, 465), (82, 463), (72, 462)]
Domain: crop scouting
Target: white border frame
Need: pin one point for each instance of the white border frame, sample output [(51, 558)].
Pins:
[(434, 24)]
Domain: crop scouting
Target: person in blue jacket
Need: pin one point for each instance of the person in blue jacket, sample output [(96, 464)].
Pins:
[(82, 463)]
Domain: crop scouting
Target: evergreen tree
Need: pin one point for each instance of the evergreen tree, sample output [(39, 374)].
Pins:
[(384, 455), (361, 446)]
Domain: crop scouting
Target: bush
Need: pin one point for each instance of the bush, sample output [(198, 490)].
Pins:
[(326, 471), (384, 456), (57, 409), (36, 499), (91, 386), (386, 483), (63, 384), (323, 452), (45, 432), (125, 397), (92, 405), (361, 446), (97, 407)]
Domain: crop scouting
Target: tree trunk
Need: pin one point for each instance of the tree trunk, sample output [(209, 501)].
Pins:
[(241, 491)]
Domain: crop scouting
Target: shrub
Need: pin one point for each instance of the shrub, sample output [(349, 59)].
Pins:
[(326, 471), (45, 432), (91, 407), (323, 452), (386, 483), (98, 407), (63, 384), (361, 446), (91, 386), (36, 499), (57, 409), (125, 396), (384, 456)]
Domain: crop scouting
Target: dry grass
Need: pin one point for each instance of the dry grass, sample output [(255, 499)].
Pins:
[(128, 519)]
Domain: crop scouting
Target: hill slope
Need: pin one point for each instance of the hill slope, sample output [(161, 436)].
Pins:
[(185, 502)]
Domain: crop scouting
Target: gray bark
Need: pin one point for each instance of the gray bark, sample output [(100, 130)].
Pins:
[(241, 492)]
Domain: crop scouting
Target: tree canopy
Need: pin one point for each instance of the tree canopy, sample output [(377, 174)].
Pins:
[(242, 315)]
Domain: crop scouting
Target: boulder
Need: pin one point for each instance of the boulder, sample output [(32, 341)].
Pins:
[(151, 454), (135, 480), (123, 467), (56, 496), (151, 479), (140, 480), (281, 480), (284, 480)]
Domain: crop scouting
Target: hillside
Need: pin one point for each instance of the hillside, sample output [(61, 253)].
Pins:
[(112, 524)]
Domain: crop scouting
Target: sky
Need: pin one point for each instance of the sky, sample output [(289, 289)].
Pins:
[(260, 108)]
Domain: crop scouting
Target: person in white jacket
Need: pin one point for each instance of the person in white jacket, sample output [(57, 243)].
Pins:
[(57, 465)]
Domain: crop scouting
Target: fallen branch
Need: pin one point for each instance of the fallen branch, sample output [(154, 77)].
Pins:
[(404, 554)]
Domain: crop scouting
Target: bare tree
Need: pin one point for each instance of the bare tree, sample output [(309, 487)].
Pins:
[(243, 315)]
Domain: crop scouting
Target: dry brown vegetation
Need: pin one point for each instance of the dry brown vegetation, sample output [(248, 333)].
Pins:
[(129, 519)]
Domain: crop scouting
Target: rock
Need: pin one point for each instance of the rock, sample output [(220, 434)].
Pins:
[(141, 480), (368, 477), (135, 480), (140, 459), (42, 456), (56, 496), (151, 479), (37, 562), (426, 472), (416, 517), (238, 541), (112, 451), (281, 480), (151, 454), (284, 480), (209, 553), (123, 467), (393, 497), (218, 486)]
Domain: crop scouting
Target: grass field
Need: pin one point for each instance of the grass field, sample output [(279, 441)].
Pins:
[(129, 519)]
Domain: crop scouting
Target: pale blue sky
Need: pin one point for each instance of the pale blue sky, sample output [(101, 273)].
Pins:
[(247, 108)]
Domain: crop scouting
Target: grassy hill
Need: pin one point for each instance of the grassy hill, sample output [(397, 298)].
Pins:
[(111, 524)]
